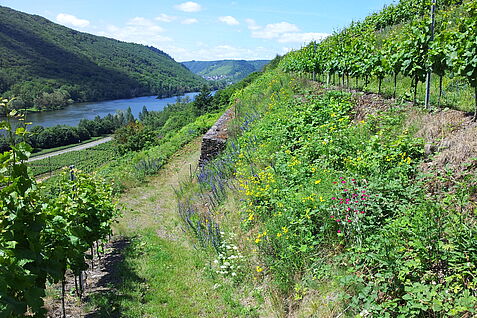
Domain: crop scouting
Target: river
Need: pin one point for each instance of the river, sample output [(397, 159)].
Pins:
[(72, 114)]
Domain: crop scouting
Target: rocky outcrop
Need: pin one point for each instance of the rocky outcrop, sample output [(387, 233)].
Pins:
[(213, 142)]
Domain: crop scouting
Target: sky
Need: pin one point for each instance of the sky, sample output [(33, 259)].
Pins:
[(206, 30)]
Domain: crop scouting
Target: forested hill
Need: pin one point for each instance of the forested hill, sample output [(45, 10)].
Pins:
[(46, 65), (229, 70)]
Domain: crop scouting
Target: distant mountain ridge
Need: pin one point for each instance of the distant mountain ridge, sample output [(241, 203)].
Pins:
[(47, 65), (228, 70)]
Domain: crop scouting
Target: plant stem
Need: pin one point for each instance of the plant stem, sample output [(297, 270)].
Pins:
[(395, 85), (63, 283), (475, 110), (440, 91)]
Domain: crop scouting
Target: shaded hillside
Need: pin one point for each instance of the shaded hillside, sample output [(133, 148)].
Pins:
[(229, 70), (47, 65)]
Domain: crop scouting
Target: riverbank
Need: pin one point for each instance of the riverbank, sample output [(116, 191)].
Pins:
[(72, 114)]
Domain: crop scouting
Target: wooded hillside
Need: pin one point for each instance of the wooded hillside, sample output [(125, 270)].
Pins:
[(46, 65)]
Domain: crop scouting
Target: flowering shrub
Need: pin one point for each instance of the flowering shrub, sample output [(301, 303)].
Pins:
[(353, 210)]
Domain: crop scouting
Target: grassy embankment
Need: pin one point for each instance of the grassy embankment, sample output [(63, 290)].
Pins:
[(331, 213)]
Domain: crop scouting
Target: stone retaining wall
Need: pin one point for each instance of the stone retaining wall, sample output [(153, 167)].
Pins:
[(215, 139)]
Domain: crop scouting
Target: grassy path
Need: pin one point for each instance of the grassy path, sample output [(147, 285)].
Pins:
[(162, 274)]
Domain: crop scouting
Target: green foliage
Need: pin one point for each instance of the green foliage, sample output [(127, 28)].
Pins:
[(203, 101), (337, 200), (133, 137), (133, 167), (48, 66), (421, 261), (41, 238), (394, 41)]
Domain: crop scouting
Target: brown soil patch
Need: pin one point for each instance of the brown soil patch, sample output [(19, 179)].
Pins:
[(99, 278), (367, 104), (451, 142)]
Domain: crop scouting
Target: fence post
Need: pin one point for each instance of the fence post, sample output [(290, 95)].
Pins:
[(72, 173), (429, 71)]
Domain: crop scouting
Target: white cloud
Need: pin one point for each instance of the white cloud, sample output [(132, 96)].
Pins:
[(283, 32), (252, 25), (274, 30), (301, 37), (71, 20), (189, 6), (189, 21), (138, 30), (229, 20), (165, 18), (146, 24)]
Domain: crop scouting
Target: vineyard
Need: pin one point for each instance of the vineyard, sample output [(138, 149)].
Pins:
[(402, 44), (44, 237), (86, 160), (326, 201)]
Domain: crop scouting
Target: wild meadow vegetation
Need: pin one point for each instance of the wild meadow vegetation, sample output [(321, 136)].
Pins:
[(329, 213), (334, 211)]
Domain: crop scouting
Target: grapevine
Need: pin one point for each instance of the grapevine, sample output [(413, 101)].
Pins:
[(41, 238), (360, 50)]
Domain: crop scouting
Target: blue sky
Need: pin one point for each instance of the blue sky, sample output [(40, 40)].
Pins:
[(206, 30)]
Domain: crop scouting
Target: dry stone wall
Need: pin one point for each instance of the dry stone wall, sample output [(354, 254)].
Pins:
[(213, 142)]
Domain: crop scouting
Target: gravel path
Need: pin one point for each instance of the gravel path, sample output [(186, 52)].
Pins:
[(76, 148)]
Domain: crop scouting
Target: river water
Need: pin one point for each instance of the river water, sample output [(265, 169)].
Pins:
[(72, 114)]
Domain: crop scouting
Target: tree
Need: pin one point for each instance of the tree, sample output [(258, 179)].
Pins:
[(144, 113), (203, 101), (133, 137), (129, 117)]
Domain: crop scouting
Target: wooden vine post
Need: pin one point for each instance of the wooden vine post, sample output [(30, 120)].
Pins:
[(429, 71)]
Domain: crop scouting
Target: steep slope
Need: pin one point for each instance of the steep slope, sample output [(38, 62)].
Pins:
[(48, 65), (230, 70)]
